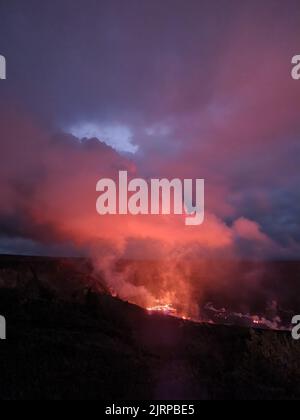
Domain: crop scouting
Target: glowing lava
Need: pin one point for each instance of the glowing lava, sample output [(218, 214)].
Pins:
[(165, 309)]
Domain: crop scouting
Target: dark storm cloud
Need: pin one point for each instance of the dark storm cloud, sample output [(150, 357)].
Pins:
[(111, 59), (108, 58), (203, 87)]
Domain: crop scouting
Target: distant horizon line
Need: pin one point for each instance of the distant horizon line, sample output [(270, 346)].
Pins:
[(244, 260)]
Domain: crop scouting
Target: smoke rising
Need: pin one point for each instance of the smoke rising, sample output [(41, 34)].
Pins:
[(48, 195)]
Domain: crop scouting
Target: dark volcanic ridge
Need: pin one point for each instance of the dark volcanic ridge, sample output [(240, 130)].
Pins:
[(271, 305), (75, 343)]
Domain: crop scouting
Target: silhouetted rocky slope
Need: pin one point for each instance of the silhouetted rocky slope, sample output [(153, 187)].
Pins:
[(102, 348)]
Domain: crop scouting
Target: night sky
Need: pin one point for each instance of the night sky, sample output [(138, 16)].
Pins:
[(175, 88)]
